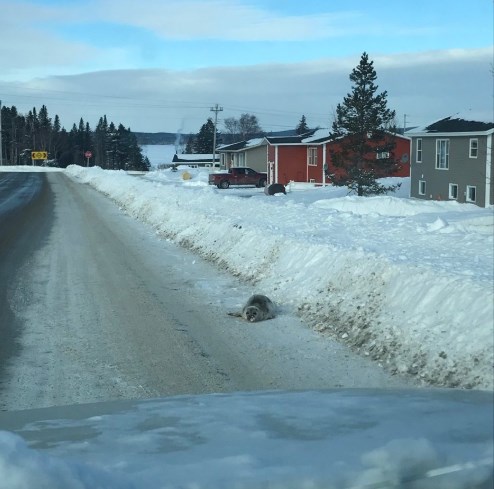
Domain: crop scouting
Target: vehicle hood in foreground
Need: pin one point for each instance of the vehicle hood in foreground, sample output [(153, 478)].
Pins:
[(350, 438)]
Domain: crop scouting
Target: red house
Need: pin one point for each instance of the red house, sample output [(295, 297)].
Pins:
[(302, 158)]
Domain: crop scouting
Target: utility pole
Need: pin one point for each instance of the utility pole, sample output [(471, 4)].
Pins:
[(215, 109), (404, 123), (1, 145)]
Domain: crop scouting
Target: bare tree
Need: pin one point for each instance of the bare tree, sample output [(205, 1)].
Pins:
[(249, 126), (232, 130)]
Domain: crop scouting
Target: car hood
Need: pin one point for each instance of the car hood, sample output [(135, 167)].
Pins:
[(336, 438)]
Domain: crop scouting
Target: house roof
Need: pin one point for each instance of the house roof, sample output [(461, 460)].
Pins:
[(314, 136), (318, 136), (296, 139), (251, 143), (193, 157), (457, 123)]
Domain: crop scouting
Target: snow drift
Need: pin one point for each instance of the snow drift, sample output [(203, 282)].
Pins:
[(406, 282)]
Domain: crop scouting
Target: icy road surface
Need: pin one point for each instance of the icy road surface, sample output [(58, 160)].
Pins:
[(105, 310)]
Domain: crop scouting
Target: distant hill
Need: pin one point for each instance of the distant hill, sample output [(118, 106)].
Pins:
[(148, 138), (144, 138)]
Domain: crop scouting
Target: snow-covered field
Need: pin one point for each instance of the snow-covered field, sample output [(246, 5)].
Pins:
[(159, 154), (407, 282)]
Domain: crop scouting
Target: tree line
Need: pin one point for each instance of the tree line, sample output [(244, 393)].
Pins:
[(111, 147), (246, 127)]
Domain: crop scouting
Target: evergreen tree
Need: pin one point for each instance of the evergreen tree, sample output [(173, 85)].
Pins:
[(75, 145), (302, 126), (112, 138), (189, 147), (100, 142), (45, 129), (55, 145), (32, 130), (203, 142), (112, 147), (363, 132)]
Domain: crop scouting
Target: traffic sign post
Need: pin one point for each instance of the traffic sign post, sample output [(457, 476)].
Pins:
[(39, 155), (88, 155)]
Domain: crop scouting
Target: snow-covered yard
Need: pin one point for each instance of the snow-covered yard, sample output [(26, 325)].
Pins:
[(406, 282)]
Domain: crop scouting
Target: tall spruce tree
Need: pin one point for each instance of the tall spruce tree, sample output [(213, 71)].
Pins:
[(363, 132), (203, 142), (302, 126)]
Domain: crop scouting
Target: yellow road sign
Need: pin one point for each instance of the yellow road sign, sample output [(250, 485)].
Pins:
[(39, 155)]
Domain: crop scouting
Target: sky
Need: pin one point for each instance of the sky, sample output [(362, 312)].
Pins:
[(160, 65)]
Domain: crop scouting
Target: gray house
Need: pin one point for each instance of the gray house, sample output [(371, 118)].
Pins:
[(451, 159), (251, 153)]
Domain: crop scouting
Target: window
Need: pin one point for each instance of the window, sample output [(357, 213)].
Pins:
[(240, 159), (471, 193), (453, 191), (312, 180), (312, 156), (474, 148), (421, 187), (442, 154), (382, 155), (418, 157)]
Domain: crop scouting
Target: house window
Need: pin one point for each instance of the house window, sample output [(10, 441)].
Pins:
[(312, 156), (474, 148), (382, 155), (471, 193), (421, 187), (453, 191), (418, 155), (312, 180), (442, 154)]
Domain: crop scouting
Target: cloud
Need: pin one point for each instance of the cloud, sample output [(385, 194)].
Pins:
[(222, 19), (228, 20), (425, 86)]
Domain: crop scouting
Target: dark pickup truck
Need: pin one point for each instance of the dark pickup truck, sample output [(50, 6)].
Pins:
[(238, 176)]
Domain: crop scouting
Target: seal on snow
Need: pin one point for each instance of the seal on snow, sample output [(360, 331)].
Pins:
[(257, 308)]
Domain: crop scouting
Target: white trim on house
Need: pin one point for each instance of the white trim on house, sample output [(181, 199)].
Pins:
[(427, 134), (324, 164), (467, 194), (417, 151), (474, 148), (442, 154), (488, 175), (453, 191), (275, 164)]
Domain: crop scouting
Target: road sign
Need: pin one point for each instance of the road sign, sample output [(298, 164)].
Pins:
[(39, 155), (88, 154)]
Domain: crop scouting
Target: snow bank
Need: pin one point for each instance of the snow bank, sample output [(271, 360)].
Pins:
[(408, 283)]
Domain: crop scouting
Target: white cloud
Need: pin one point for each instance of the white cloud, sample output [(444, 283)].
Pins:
[(222, 19), (425, 86)]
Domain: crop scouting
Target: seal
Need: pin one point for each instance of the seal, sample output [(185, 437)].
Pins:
[(257, 308), (275, 188)]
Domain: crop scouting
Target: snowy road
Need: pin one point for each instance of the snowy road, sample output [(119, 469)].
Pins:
[(104, 309)]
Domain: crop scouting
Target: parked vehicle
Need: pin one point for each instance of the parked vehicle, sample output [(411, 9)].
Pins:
[(238, 176)]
